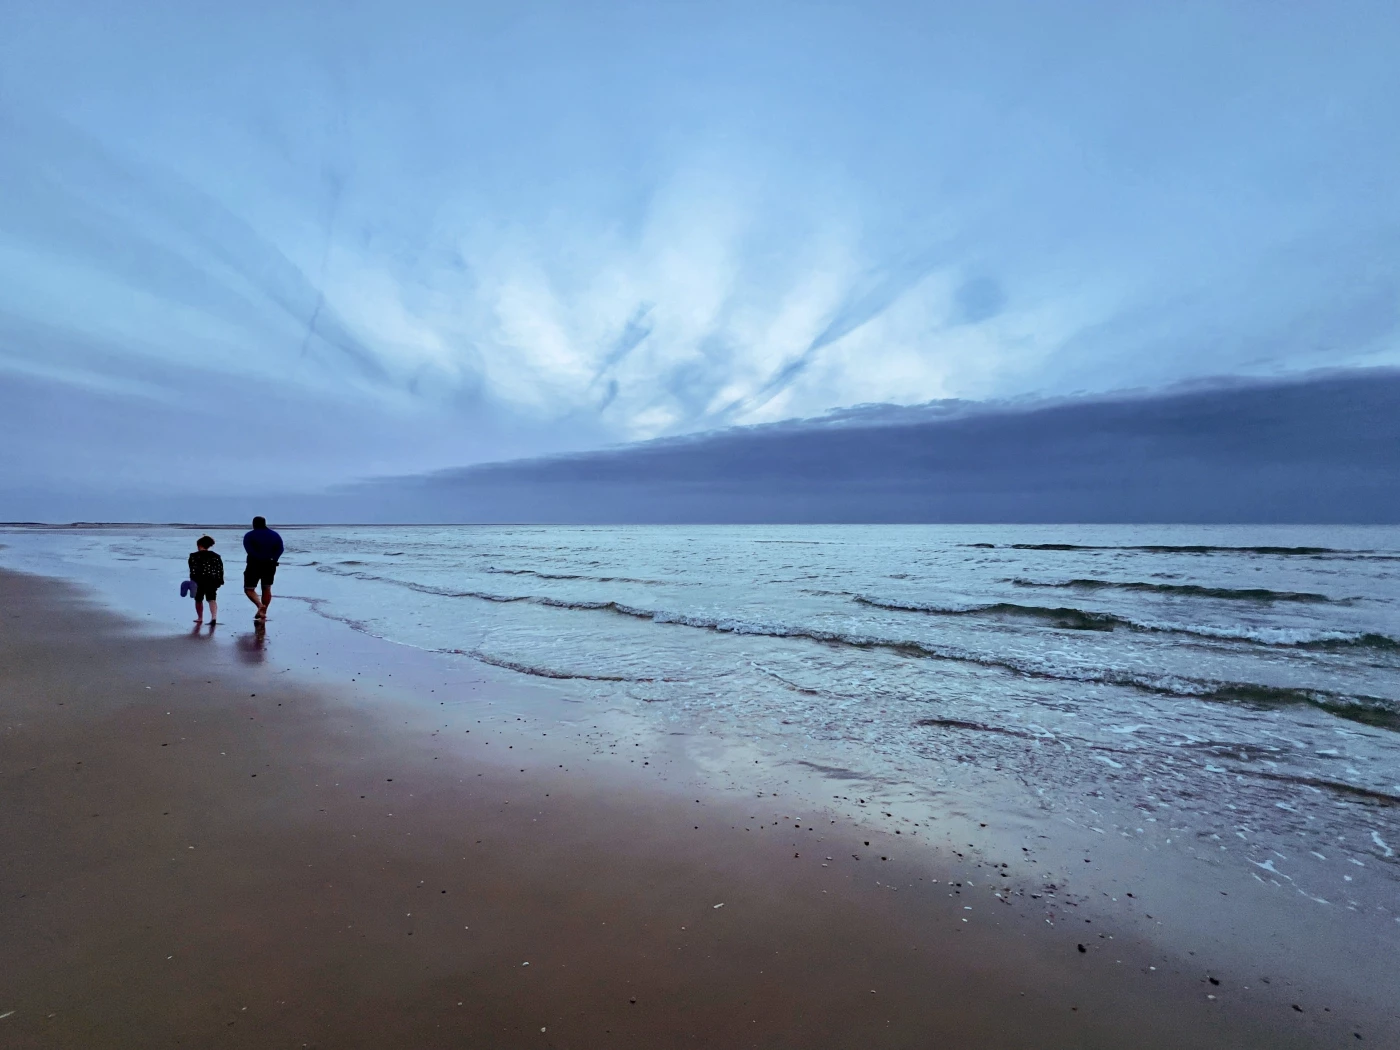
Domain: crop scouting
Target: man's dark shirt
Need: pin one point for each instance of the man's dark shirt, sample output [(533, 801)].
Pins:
[(262, 545), (207, 567)]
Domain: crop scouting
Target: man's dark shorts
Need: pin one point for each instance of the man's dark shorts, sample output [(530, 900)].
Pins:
[(258, 572), (206, 592)]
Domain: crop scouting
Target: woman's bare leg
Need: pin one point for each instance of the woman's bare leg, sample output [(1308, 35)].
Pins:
[(198, 611)]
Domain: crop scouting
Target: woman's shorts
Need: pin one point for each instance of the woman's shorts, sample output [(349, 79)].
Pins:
[(205, 592), (258, 572)]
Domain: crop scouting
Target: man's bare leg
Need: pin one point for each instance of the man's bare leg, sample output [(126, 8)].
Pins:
[(199, 611), (266, 598), (213, 611), (253, 597)]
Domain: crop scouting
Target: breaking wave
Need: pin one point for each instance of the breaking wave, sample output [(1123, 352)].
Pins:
[(538, 671), (423, 588), (1197, 548), (1191, 590), (1375, 711), (320, 607), (1073, 619), (1194, 548), (567, 576), (1370, 710), (1065, 617)]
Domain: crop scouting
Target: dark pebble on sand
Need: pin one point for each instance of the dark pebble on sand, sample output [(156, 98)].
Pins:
[(1082, 948), (1213, 980)]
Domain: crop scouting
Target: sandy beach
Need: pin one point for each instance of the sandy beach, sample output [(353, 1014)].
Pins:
[(215, 851)]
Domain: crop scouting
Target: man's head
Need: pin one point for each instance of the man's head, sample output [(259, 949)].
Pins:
[(259, 522), (204, 542)]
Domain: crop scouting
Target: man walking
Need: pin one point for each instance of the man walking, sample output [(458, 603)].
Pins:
[(264, 547)]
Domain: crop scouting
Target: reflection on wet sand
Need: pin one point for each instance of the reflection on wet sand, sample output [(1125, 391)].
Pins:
[(252, 648)]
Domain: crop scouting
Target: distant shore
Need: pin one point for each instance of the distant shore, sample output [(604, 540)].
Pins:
[(204, 851)]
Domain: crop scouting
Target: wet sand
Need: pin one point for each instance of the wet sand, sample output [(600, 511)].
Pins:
[(204, 852)]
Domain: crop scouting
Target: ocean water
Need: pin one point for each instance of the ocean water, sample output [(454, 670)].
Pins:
[(1240, 681)]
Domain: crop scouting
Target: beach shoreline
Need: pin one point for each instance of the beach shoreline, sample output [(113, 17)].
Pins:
[(230, 852)]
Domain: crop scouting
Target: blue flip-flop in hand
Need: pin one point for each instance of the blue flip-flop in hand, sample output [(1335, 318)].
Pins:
[(186, 588)]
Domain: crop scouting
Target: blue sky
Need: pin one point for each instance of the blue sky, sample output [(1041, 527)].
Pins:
[(262, 246)]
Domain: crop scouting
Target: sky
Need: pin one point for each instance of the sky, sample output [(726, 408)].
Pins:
[(272, 248)]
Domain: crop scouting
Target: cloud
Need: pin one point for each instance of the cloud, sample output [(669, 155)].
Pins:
[(866, 299), (129, 241), (637, 328), (1324, 448)]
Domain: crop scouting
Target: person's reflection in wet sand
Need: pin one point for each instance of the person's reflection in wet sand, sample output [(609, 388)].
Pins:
[(199, 632), (251, 648)]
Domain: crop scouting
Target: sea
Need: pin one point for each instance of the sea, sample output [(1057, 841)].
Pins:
[(1240, 684)]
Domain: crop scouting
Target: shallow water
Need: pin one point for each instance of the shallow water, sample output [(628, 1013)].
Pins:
[(1230, 689)]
